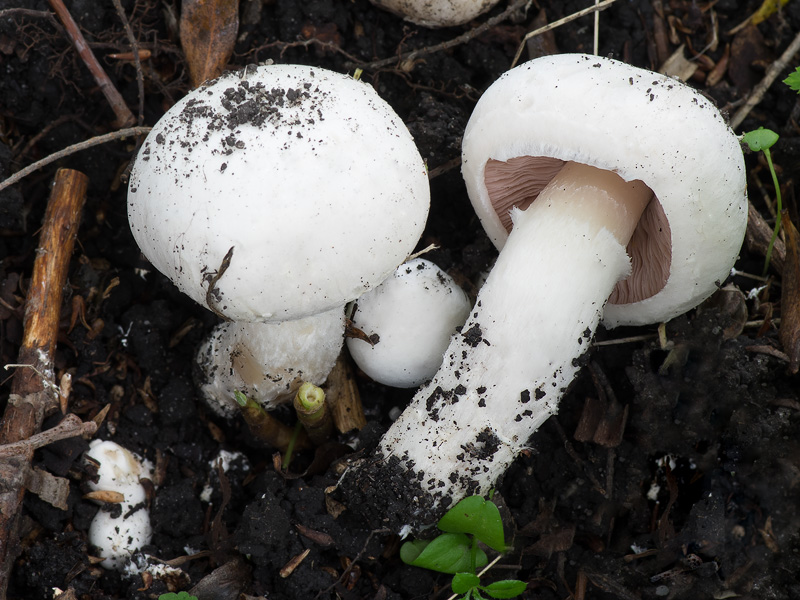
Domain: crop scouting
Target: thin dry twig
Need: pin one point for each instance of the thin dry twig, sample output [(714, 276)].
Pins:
[(457, 41), (581, 13), (27, 12), (71, 426), (762, 86), (32, 396), (137, 61), (95, 141), (124, 115)]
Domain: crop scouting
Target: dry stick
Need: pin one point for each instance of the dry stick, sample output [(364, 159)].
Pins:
[(137, 61), (95, 141), (581, 13), (32, 390), (457, 41), (70, 427), (125, 117), (761, 88)]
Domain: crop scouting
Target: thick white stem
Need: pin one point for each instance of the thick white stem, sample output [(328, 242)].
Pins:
[(504, 374)]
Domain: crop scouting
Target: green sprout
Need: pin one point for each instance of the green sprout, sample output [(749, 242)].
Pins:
[(793, 80), (313, 412), (761, 140), (178, 596), (456, 551)]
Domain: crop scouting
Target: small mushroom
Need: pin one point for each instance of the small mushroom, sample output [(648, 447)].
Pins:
[(436, 13), (409, 319), (121, 529), (274, 194), (626, 193)]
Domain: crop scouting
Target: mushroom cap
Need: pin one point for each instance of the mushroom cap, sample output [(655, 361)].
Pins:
[(639, 124), (308, 175), (436, 13), (414, 312)]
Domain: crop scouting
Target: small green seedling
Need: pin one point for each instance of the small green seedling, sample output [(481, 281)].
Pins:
[(456, 550), (793, 80), (761, 140), (178, 596)]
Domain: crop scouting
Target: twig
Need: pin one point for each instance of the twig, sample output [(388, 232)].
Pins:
[(70, 426), (124, 116), (35, 14), (762, 86), (457, 41), (137, 61), (95, 141), (581, 13), (32, 396)]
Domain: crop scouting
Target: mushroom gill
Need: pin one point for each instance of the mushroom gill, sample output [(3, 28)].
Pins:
[(519, 180)]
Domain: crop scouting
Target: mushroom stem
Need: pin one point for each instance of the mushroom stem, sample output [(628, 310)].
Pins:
[(503, 375)]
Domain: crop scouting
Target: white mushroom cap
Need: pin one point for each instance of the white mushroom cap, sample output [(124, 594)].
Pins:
[(413, 313), (120, 470), (267, 362), (118, 537), (437, 13), (654, 129), (307, 174)]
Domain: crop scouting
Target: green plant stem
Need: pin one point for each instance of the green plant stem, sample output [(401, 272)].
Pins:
[(314, 413), (290, 448), (266, 427), (473, 555), (779, 208)]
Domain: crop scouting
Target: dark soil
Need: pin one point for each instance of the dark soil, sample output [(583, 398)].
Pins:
[(696, 495)]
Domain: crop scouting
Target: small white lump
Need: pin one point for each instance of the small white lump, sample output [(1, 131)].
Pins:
[(436, 13), (121, 532), (267, 362), (410, 318)]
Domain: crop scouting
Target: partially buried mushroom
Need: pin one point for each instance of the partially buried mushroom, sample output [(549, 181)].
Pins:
[(437, 13), (612, 192), (274, 196)]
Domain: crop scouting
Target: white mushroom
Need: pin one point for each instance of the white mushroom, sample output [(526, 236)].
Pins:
[(278, 193), (409, 318), (125, 528), (437, 13), (571, 150)]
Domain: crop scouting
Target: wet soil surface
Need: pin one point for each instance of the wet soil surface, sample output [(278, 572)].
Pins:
[(671, 471)]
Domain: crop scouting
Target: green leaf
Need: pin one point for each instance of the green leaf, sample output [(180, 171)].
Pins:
[(448, 553), (507, 588), (411, 550), (793, 80), (464, 582), (760, 139), (178, 596), (478, 517)]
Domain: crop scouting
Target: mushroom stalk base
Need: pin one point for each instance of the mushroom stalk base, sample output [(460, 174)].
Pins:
[(504, 373)]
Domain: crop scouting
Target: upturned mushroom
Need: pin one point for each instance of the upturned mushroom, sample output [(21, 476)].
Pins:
[(612, 192), (275, 194), (408, 319)]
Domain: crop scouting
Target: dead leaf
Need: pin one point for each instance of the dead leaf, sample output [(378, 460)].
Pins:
[(678, 66), (208, 31), (748, 50), (790, 295)]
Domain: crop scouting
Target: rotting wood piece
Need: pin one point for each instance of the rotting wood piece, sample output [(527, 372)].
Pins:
[(33, 389)]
